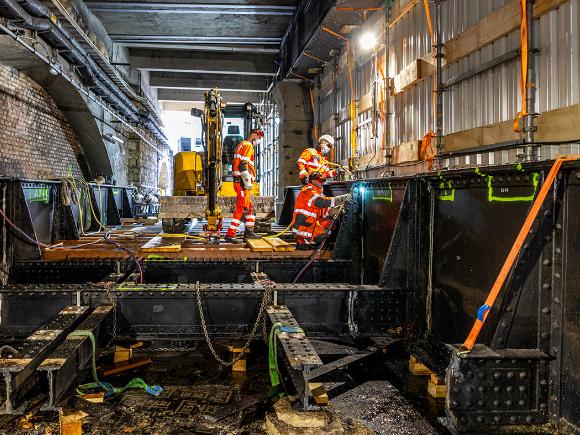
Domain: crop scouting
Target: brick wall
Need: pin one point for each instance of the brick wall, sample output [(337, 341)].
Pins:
[(36, 140), (146, 164)]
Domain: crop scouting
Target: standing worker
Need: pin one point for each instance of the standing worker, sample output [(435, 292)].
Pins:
[(314, 159), (244, 173), (313, 213)]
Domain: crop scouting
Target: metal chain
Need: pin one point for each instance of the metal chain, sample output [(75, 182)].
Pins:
[(266, 297), (114, 304), (4, 273)]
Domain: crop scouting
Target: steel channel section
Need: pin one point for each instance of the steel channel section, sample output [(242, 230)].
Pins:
[(19, 372), (68, 271), (170, 311), (297, 353), (64, 364), (282, 271)]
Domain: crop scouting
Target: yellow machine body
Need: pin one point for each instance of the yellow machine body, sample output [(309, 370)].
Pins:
[(188, 174), (227, 189)]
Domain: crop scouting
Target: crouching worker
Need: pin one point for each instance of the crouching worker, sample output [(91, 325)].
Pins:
[(313, 213)]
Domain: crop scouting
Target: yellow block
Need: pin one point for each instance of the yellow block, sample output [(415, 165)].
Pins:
[(163, 244), (418, 368), (227, 189), (187, 173), (279, 245), (71, 423), (259, 245), (437, 391)]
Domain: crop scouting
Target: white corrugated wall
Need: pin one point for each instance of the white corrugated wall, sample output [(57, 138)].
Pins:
[(494, 95)]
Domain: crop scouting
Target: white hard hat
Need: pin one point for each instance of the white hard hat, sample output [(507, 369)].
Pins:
[(328, 138)]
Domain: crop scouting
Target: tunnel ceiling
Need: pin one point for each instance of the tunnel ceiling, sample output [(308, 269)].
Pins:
[(191, 46)]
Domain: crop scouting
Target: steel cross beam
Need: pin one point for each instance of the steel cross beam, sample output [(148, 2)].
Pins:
[(19, 371), (296, 352), (64, 364)]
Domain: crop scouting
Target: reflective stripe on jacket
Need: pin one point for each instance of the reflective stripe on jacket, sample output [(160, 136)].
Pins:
[(311, 160), (311, 206), (244, 159)]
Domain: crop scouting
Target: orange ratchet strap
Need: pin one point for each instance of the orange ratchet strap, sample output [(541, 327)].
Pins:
[(512, 256), (524, 71), (427, 152)]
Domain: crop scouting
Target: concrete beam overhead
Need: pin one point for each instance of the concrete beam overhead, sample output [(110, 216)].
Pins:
[(171, 80), (175, 24), (195, 96), (203, 62)]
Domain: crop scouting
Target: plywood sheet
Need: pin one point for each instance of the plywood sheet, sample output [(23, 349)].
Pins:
[(163, 244), (279, 245), (259, 245)]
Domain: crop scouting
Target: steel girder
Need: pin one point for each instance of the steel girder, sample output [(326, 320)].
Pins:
[(170, 311), (19, 370)]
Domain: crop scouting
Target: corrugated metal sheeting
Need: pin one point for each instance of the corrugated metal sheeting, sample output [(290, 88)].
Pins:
[(489, 97), (494, 95)]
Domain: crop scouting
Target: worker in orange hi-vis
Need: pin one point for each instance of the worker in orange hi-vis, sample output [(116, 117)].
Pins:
[(313, 213), (314, 160), (244, 173)]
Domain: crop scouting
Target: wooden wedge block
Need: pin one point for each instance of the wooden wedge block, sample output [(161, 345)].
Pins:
[(280, 245), (71, 423), (318, 393), (259, 245), (94, 397), (124, 352), (163, 244), (417, 368), (436, 380), (436, 387)]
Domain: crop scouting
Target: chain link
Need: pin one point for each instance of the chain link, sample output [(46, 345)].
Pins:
[(114, 304), (266, 300)]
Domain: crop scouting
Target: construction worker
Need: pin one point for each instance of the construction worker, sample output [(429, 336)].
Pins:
[(314, 159), (313, 213), (244, 173)]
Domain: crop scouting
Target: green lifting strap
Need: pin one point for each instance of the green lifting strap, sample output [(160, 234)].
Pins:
[(273, 355), (135, 383)]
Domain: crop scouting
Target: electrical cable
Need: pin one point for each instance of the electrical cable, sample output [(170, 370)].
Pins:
[(120, 247), (279, 234), (24, 235)]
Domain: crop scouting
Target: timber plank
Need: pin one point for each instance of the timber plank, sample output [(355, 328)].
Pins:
[(259, 245), (163, 244), (279, 245), (554, 125)]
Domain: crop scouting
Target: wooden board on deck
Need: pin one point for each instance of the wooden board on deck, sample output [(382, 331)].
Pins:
[(279, 245), (163, 244), (259, 245)]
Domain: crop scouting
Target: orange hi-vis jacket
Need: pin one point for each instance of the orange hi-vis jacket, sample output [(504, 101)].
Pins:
[(310, 218), (310, 161), (244, 159)]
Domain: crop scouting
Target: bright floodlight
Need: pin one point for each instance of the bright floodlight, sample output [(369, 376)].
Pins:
[(368, 40)]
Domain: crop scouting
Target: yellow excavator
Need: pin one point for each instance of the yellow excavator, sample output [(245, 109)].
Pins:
[(203, 182)]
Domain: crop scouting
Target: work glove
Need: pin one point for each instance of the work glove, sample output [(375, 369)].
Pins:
[(340, 170), (247, 180), (304, 180), (342, 199)]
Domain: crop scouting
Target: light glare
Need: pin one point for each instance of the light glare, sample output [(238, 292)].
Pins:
[(368, 40)]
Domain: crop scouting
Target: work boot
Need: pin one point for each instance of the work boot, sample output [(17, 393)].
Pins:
[(250, 234), (304, 247), (231, 239)]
